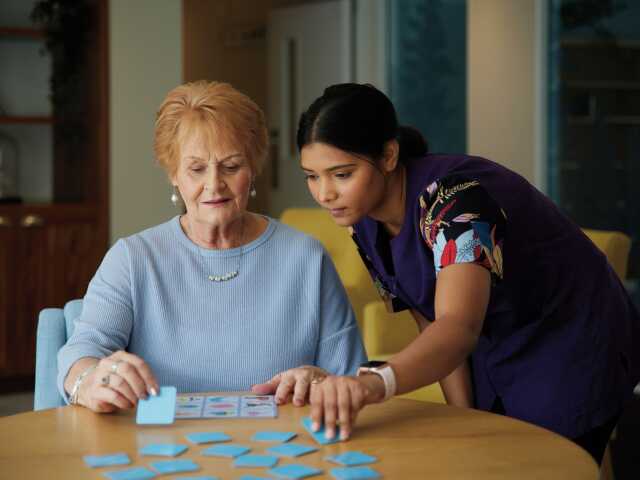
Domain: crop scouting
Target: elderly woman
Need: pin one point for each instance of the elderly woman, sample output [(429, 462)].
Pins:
[(219, 298)]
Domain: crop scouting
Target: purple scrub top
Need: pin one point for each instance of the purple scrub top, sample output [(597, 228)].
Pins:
[(556, 347)]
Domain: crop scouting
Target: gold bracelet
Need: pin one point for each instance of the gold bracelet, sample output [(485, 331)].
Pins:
[(73, 398)]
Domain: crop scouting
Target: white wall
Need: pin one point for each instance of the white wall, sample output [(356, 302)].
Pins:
[(145, 63), (502, 118)]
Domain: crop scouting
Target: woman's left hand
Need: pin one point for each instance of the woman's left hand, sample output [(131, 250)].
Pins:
[(337, 401), (291, 383)]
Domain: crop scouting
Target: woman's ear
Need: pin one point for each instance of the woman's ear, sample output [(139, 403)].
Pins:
[(390, 156)]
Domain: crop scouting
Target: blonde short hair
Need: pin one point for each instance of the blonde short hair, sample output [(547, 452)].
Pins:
[(219, 113)]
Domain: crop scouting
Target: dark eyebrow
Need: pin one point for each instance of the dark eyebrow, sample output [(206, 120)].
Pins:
[(337, 167)]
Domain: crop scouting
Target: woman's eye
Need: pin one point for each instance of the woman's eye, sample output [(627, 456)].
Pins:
[(231, 168), (196, 169), (310, 176), (343, 175)]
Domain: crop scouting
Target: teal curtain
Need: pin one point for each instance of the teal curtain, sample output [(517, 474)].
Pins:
[(427, 69)]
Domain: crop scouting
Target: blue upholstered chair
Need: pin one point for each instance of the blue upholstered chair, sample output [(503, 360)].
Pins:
[(55, 326)]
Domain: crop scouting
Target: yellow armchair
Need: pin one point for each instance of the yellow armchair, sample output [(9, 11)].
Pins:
[(337, 241), (615, 246), (382, 334)]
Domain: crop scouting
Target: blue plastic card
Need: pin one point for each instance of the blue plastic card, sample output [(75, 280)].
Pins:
[(255, 461), (107, 460), (352, 458), (354, 473), (208, 437), (158, 410), (273, 436), (294, 471), (226, 450), (163, 449), (291, 449), (135, 473), (174, 466), (250, 477), (319, 435)]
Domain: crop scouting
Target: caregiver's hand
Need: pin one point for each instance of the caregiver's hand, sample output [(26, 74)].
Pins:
[(291, 383), (118, 381), (337, 400)]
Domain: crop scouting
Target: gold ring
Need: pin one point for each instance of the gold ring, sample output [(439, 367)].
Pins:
[(105, 380)]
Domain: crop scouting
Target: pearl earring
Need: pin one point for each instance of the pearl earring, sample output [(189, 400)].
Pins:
[(253, 192), (175, 198)]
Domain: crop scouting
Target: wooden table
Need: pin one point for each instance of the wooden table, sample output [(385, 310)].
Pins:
[(411, 440)]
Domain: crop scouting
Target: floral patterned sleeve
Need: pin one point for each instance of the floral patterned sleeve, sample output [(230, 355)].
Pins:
[(461, 223)]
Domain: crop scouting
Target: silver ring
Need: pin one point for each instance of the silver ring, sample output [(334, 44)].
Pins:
[(104, 381), (115, 365), (317, 379)]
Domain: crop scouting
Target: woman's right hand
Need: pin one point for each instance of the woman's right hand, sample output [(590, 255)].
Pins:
[(118, 381)]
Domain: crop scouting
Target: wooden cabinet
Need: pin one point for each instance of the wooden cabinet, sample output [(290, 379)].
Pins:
[(48, 255), (52, 242)]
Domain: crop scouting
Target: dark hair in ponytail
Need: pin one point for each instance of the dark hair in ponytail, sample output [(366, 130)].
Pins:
[(359, 119)]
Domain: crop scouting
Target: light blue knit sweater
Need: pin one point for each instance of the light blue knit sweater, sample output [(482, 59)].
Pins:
[(152, 297)]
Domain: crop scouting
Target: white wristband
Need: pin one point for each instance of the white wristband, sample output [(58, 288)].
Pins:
[(388, 378)]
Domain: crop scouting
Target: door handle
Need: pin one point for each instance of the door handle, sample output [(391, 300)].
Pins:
[(5, 221), (30, 221)]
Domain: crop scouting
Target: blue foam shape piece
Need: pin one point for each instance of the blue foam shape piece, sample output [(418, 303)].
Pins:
[(163, 449), (354, 473), (175, 466), (107, 460), (273, 436), (158, 410), (250, 477), (294, 471), (225, 450), (351, 459), (319, 435), (291, 449), (208, 437), (255, 461), (135, 473)]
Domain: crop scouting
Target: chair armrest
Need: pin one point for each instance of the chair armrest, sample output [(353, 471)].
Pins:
[(50, 337)]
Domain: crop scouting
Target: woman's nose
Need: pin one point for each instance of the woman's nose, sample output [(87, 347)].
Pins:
[(326, 193), (214, 180)]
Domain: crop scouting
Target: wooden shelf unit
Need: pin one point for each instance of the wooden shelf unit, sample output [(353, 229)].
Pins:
[(22, 32)]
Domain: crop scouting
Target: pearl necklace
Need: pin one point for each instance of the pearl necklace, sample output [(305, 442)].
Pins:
[(231, 274)]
